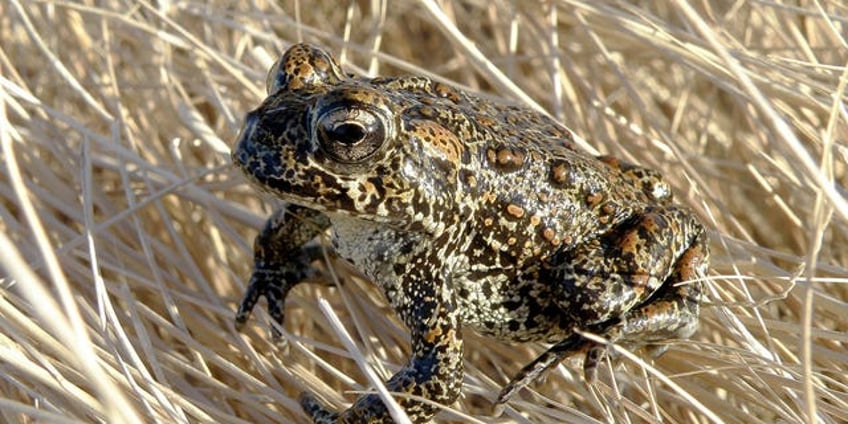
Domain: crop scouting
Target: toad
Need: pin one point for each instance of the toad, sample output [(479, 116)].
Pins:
[(467, 213)]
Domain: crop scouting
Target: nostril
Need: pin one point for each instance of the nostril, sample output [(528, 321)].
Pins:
[(243, 141), (250, 121)]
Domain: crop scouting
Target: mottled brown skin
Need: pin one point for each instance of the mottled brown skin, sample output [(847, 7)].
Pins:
[(467, 213)]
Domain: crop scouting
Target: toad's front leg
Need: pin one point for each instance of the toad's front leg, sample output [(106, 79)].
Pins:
[(434, 370), (280, 261)]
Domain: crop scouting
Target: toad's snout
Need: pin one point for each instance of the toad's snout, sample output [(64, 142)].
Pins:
[(245, 147)]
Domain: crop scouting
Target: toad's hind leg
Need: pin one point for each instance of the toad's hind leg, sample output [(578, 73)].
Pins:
[(671, 313), (599, 289)]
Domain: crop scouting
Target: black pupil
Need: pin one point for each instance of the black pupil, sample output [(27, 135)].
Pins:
[(350, 133), (347, 133)]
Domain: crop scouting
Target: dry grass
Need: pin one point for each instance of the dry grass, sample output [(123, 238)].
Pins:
[(125, 233)]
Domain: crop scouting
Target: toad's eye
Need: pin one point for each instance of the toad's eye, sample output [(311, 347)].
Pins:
[(350, 134)]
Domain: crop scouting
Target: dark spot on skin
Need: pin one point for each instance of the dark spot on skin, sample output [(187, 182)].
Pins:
[(372, 187), (468, 178), (512, 305), (561, 174), (487, 290)]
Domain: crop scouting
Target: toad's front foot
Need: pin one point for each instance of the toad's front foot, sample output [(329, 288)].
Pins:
[(281, 260), (274, 281), (274, 286)]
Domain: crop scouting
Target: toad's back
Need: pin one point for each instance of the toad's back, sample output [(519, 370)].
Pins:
[(520, 182)]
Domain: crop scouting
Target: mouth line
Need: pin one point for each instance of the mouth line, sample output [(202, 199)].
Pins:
[(310, 202)]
